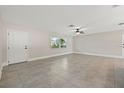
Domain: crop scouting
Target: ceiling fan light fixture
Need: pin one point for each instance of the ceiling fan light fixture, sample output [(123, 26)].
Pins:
[(77, 33), (78, 30)]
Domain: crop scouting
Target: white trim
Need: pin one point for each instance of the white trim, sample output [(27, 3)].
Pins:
[(95, 54), (122, 44), (7, 47), (1, 68), (44, 57), (5, 64)]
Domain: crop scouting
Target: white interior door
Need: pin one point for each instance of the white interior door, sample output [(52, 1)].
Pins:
[(17, 46), (123, 45)]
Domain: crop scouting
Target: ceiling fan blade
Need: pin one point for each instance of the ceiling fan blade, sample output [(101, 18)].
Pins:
[(82, 32), (81, 27)]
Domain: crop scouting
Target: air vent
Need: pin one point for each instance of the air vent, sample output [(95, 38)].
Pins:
[(121, 24)]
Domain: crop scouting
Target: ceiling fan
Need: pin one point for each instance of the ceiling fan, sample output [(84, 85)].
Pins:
[(77, 30)]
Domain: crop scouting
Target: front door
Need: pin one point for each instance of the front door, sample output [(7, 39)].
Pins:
[(17, 46)]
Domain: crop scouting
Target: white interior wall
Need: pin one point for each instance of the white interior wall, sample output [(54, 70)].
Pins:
[(39, 43), (106, 43), (2, 45), (1, 50)]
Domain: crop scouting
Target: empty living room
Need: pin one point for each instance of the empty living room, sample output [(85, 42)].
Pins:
[(61, 46)]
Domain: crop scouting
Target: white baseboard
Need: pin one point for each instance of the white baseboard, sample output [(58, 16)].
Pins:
[(44, 57), (5, 64), (95, 54), (1, 68)]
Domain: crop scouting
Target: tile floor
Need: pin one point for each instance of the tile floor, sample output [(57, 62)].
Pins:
[(68, 71)]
